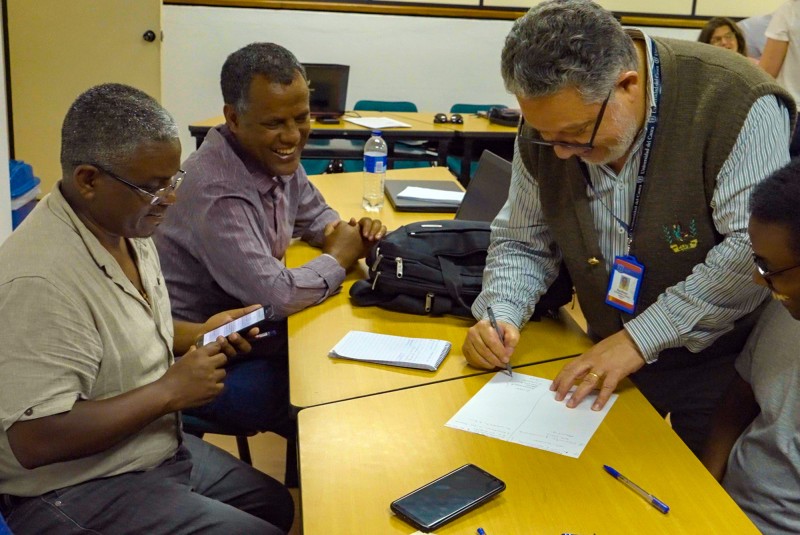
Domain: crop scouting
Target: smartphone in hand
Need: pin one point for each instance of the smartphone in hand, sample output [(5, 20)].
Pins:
[(240, 325), (447, 497)]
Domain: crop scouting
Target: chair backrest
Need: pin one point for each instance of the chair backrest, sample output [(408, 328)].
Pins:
[(488, 190), (473, 108), (385, 105)]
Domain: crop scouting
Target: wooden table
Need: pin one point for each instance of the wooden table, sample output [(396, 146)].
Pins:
[(315, 378), (344, 130), (473, 130), (357, 456)]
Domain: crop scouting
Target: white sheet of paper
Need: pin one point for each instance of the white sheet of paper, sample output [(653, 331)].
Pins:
[(430, 194), (523, 410), (377, 122)]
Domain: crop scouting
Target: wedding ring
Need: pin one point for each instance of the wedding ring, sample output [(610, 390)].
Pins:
[(595, 375)]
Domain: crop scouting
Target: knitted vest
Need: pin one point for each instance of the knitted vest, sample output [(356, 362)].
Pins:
[(706, 96)]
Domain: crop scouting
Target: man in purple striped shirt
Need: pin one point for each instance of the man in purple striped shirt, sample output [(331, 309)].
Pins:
[(244, 198)]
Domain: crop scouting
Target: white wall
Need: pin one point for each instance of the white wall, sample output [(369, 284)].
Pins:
[(433, 62), (5, 184)]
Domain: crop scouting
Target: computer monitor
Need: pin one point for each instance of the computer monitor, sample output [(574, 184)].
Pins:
[(327, 83)]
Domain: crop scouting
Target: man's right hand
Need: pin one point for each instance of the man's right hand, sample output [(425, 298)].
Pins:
[(483, 348), (343, 242), (196, 378)]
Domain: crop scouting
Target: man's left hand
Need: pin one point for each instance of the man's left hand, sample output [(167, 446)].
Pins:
[(237, 344), (603, 366), (372, 230)]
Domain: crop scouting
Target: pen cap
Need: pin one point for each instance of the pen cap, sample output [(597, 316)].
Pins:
[(611, 471)]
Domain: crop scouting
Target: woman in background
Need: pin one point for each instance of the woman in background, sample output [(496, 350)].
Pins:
[(724, 33)]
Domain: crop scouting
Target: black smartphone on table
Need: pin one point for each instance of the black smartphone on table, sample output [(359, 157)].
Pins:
[(239, 325), (447, 497)]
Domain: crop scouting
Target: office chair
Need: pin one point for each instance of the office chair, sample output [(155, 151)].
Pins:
[(198, 427), (454, 154)]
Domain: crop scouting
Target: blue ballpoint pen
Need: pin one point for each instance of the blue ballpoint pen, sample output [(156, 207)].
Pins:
[(493, 321), (655, 502)]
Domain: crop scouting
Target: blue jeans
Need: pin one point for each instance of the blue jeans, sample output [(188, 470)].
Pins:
[(256, 393), (202, 489)]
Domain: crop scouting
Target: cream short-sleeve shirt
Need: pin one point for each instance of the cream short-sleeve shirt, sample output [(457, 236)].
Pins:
[(75, 328)]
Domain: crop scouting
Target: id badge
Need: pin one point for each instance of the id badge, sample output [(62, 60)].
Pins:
[(624, 283)]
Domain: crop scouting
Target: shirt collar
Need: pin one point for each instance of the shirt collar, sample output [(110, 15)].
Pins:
[(59, 206), (267, 181)]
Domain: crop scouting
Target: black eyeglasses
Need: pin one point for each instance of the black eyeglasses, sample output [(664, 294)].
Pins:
[(564, 144), (156, 196), (766, 274), (441, 118)]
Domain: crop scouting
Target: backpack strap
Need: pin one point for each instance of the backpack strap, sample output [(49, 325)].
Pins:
[(452, 280)]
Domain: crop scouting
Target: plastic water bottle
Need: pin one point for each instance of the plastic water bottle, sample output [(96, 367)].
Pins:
[(375, 160)]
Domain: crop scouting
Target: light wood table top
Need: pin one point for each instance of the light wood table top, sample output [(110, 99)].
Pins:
[(357, 456), (315, 378)]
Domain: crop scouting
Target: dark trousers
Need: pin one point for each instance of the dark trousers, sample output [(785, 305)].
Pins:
[(201, 490), (256, 393), (689, 394)]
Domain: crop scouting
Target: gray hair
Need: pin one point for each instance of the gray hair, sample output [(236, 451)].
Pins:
[(272, 61), (566, 43), (108, 123)]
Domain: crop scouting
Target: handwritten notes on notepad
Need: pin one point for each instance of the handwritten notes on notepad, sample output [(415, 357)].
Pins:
[(523, 410), (419, 353)]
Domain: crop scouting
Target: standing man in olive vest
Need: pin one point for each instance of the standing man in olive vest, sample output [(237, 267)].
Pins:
[(633, 166)]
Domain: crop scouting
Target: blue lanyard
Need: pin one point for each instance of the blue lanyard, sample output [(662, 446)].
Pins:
[(649, 135)]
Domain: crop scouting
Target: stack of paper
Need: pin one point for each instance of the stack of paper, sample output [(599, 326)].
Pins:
[(377, 122), (419, 353), (432, 195)]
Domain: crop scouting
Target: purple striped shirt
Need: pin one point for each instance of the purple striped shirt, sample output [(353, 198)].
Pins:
[(222, 243)]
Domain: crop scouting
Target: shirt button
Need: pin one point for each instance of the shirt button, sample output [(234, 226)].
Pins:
[(28, 412), (621, 185), (621, 230), (57, 503)]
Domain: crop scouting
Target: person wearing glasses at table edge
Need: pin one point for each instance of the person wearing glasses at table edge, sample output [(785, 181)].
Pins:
[(90, 391), (596, 99), (753, 447)]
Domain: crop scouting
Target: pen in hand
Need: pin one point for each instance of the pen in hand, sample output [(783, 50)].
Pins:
[(655, 502), (493, 321)]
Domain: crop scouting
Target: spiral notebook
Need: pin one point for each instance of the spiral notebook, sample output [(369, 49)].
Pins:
[(419, 353)]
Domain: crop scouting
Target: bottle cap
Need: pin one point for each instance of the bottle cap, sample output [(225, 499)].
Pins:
[(376, 132)]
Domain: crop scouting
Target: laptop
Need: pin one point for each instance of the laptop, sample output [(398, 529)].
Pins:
[(327, 84), (394, 187), (488, 190)]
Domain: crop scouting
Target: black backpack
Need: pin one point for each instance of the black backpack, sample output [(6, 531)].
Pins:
[(436, 267)]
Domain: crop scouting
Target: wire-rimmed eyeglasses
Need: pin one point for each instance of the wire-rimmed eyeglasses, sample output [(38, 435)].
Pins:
[(566, 145), (156, 196), (766, 274)]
